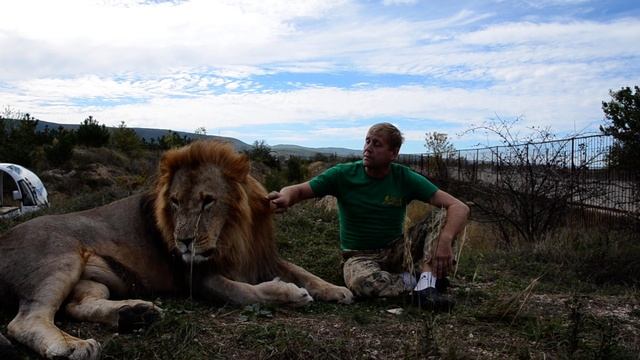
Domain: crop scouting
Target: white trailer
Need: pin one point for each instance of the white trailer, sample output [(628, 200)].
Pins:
[(22, 191)]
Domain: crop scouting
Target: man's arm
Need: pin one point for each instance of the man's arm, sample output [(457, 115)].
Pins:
[(457, 215), (290, 195)]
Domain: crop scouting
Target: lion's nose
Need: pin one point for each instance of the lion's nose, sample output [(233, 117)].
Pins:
[(185, 243)]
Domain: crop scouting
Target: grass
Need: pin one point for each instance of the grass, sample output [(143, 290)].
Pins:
[(504, 310), (574, 296)]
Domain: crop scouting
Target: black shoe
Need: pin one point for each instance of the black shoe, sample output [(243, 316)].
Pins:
[(442, 285), (431, 299)]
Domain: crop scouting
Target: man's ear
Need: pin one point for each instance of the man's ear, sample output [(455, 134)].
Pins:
[(396, 152)]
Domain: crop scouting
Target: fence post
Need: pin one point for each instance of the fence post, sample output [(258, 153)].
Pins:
[(573, 154), (476, 166), (497, 165), (459, 165)]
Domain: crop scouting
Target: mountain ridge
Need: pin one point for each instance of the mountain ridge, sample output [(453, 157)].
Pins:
[(280, 149)]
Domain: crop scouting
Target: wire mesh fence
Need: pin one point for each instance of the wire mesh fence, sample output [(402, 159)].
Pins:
[(581, 167)]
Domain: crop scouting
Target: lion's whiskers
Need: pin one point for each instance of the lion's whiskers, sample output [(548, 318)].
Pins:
[(193, 254), (191, 271), (223, 247)]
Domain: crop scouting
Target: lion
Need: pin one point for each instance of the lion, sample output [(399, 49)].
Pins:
[(206, 227)]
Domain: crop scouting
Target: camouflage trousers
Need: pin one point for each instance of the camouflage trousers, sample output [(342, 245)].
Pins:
[(370, 273)]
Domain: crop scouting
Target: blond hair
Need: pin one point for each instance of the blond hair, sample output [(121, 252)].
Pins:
[(391, 133)]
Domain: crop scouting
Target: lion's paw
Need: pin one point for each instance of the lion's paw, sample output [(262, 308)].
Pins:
[(76, 349), (338, 294), (342, 295), (300, 296), (141, 315), (280, 292)]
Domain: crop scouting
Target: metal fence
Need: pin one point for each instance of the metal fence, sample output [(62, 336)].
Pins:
[(579, 161)]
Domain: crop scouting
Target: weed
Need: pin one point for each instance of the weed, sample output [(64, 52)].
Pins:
[(429, 345), (255, 311), (277, 341)]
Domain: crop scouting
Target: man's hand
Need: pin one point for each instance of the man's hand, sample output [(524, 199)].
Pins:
[(278, 201), (281, 200), (457, 215), (442, 263)]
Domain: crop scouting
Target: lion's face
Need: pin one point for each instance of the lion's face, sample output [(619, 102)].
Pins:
[(199, 203)]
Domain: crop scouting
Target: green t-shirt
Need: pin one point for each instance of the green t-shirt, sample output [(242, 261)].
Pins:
[(371, 210)]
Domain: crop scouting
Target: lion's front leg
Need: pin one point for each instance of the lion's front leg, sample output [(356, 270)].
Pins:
[(89, 301), (317, 287), (34, 327), (269, 292)]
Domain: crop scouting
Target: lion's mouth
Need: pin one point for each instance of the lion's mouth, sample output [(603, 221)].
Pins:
[(189, 254), (197, 257)]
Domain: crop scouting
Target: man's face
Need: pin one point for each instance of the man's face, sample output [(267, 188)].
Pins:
[(377, 152)]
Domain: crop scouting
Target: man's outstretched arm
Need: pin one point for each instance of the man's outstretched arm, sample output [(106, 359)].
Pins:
[(290, 195)]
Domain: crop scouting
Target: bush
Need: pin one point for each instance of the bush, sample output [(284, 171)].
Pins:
[(126, 140), (261, 152), (61, 148), (172, 140), (533, 193), (295, 170), (92, 134), (19, 140), (274, 181)]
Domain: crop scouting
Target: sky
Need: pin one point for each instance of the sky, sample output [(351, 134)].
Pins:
[(318, 73)]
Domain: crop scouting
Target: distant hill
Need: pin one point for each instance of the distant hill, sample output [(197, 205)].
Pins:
[(148, 134), (282, 150), (301, 151)]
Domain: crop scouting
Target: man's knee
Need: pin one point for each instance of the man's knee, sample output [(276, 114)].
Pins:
[(377, 284)]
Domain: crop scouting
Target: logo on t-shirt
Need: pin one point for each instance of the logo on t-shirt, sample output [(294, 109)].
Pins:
[(390, 200)]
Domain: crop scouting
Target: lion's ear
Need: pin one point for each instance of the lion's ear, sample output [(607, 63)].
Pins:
[(169, 159), (245, 164), (237, 167)]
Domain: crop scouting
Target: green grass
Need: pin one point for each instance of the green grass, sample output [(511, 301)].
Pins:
[(308, 236)]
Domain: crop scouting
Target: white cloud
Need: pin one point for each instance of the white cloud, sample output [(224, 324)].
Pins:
[(186, 64), (398, 2), (456, 107), (546, 3), (72, 36)]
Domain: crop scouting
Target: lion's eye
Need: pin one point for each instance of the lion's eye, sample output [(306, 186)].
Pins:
[(174, 202), (208, 201)]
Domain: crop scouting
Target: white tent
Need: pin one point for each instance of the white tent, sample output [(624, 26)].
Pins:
[(22, 191)]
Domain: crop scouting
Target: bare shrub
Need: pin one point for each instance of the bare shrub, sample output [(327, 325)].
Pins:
[(536, 182)]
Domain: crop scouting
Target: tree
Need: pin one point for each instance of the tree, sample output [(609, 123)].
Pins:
[(19, 140), (438, 143), (4, 136), (295, 170), (126, 140), (61, 148), (92, 134), (10, 113), (623, 114), (172, 140), (200, 131), (439, 149), (261, 152)]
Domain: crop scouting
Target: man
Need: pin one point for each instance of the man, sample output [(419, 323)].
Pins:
[(372, 196)]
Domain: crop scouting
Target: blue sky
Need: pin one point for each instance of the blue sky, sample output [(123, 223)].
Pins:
[(319, 72)]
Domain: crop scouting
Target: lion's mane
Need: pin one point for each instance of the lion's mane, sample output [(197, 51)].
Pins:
[(246, 248)]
